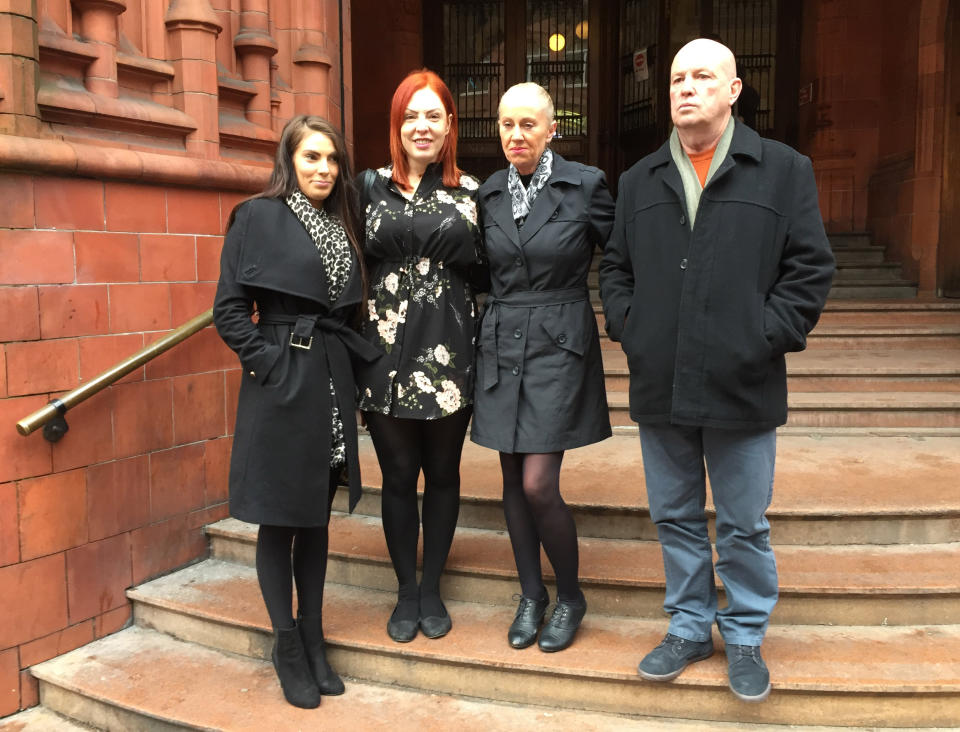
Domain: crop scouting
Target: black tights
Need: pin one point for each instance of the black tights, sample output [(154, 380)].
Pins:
[(276, 573), (404, 447), (536, 514)]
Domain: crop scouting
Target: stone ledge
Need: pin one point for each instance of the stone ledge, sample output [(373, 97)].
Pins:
[(59, 157)]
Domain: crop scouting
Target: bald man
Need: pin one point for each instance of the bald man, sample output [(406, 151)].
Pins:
[(717, 266)]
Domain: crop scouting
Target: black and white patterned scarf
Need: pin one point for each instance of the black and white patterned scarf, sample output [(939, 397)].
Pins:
[(330, 238), (334, 247), (522, 198)]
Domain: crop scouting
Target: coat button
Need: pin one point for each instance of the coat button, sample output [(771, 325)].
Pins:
[(683, 220), (253, 374), (516, 370), (517, 333), (562, 338), (518, 262), (553, 216), (683, 263)]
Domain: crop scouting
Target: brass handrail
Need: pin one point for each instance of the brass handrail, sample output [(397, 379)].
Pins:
[(57, 407)]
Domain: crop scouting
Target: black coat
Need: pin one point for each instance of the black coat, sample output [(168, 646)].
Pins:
[(280, 466), (539, 372), (706, 316)]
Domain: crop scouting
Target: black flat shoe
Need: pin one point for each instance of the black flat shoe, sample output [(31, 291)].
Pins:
[(402, 631), (560, 630), (526, 623), (436, 626)]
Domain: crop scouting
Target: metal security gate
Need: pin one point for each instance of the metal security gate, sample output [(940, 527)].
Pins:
[(749, 29), (481, 48), (606, 63), (644, 107)]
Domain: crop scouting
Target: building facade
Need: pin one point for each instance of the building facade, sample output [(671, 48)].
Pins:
[(130, 128)]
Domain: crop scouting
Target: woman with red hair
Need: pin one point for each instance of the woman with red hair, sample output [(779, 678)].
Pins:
[(424, 254)]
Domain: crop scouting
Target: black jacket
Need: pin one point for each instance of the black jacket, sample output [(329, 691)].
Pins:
[(280, 465), (539, 372), (706, 316)]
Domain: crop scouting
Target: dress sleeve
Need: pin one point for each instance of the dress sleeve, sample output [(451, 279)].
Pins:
[(234, 303)]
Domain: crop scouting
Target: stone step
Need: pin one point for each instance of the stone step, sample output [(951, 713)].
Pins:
[(143, 679), (859, 255), (850, 240), (832, 585), (866, 271), (903, 329), (40, 719), (889, 676), (843, 370), (847, 409), (893, 288), (896, 489)]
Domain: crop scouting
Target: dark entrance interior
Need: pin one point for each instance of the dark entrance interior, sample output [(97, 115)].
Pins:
[(606, 65)]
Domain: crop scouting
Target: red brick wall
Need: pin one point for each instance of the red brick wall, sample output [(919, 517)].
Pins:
[(90, 271), (875, 128), (123, 147)]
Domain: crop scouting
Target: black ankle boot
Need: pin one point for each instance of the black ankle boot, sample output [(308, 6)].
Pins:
[(311, 631), (290, 661)]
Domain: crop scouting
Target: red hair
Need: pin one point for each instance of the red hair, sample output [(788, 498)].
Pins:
[(415, 81)]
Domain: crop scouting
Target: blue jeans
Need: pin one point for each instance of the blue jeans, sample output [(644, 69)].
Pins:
[(741, 466)]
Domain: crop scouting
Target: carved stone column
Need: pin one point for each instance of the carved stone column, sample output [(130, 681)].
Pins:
[(192, 30), (315, 45), (255, 47), (98, 26), (18, 69)]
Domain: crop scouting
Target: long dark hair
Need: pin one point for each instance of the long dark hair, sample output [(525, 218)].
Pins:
[(342, 201)]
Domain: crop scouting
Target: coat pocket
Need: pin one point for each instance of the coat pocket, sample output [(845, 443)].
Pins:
[(569, 334)]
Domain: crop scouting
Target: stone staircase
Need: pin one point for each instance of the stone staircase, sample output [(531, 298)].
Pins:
[(865, 518)]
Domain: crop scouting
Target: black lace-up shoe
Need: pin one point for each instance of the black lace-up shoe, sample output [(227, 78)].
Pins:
[(749, 678), (560, 630), (526, 623), (666, 661)]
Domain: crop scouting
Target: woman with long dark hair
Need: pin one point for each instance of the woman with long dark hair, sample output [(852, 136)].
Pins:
[(424, 254), (292, 256)]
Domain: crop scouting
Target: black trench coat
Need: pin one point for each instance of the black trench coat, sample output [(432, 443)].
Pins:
[(539, 372), (280, 466)]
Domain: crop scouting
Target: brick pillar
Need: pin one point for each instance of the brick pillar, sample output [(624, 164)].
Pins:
[(98, 26), (255, 47), (192, 30), (19, 68)]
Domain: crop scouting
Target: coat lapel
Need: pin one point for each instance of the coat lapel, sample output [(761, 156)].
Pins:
[(498, 206), (548, 200)]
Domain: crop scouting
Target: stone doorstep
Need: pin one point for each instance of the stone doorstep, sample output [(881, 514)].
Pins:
[(917, 363), (885, 478), (895, 585), (847, 409), (40, 719), (141, 675), (821, 675)]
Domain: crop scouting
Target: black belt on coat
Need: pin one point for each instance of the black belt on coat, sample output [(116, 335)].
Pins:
[(341, 373), (302, 334), (522, 299)]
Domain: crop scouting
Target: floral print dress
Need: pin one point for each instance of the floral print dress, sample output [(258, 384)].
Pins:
[(421, 254)]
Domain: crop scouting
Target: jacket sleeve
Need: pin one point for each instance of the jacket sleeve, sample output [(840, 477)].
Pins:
[(478, 272), (616, 271), (233, 307), (600, 211), (795, 301)]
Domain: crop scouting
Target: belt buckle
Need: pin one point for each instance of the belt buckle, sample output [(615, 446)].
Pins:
[(300, 342)]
